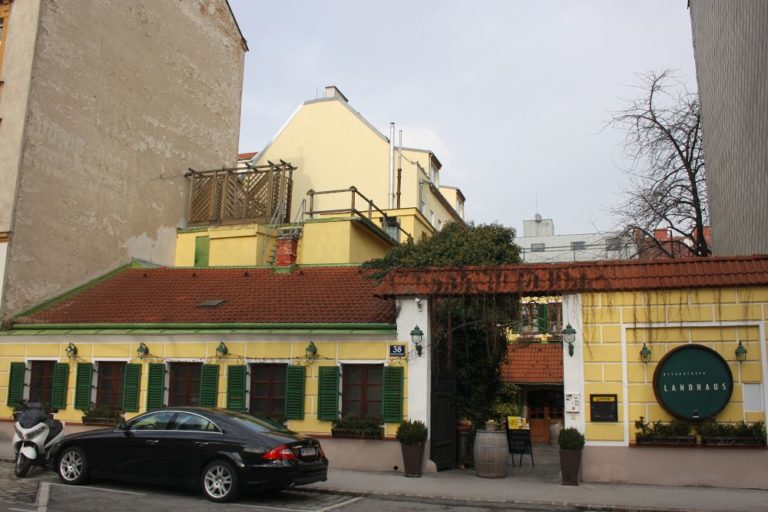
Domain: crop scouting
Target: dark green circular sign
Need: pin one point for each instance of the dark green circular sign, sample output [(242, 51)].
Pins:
[(693, 382)]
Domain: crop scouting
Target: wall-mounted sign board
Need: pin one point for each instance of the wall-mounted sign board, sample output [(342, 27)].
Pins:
[(397, 351), (604, 408), (693, 382)]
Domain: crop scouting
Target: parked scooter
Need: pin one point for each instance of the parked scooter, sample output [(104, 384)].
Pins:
[(35, 432)]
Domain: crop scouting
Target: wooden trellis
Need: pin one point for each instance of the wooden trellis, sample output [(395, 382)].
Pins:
[(259, 193)]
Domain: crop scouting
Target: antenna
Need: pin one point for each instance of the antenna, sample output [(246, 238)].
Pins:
[(537, 204)]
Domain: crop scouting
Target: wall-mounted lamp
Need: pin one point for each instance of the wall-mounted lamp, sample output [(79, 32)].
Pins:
[(221, 350), (741, 353), (418, 301), (143, 350), (569, 337), (311, 351), (71, 351), (645, 354), (416, 336)]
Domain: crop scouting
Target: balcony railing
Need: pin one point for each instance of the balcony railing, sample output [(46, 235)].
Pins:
[(246, 193), (379, 220)]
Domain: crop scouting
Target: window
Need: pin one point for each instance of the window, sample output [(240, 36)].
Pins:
[(193, 422), (41, 381), (578, 246), (361, 390), (184, 388), (434, 175), (537, 247), (202, 250), (439, 224), (109, 386), (268, 390), (392, 227), (432, 217), (423, 207), (153, 421), (613, 243)]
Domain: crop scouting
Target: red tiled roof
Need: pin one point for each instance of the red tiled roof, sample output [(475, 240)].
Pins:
[(320, 295), (533, 363), (559, 278), (247, 156)]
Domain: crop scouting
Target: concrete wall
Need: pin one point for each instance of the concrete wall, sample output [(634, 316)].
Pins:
[(123, 98), (730, 41)]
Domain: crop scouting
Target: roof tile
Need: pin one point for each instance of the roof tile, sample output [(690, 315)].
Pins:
[(533, 363)]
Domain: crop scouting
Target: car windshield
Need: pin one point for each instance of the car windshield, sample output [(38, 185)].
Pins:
[(254, 424)]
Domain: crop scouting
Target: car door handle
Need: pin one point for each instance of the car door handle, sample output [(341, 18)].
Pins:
[(201, 443), (152, 441)]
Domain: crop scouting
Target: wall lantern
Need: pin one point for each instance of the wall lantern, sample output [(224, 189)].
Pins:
[(645, 353), (741, 353), (569, 337), (71, 351), (311, 351), (221, 350), (143, 350), (416, 336)]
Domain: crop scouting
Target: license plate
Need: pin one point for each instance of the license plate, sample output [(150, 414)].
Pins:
[(308, 452)]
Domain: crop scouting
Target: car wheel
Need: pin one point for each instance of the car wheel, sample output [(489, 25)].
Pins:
[(220, 481), (22, 465), (73, 466)]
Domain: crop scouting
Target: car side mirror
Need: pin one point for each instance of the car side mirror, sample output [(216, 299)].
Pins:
[(122, 425)]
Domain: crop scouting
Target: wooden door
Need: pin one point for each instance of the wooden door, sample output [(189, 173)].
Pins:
[(538, 417)]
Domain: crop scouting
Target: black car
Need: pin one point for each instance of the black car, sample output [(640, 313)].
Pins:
[(222, 451)]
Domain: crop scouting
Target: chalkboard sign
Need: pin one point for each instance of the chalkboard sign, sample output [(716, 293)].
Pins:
[(604, 408)]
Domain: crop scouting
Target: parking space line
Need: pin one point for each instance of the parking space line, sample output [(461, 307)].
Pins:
[(43, 495), (100, 489), (342, 504)]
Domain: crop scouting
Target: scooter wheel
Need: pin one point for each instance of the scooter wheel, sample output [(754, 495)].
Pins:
[(22, 465)]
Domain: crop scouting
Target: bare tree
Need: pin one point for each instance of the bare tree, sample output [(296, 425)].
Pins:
[(668, 188)]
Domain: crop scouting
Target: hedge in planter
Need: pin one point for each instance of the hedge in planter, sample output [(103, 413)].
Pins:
[(659, 433), (412, 436), (732, 434), (571, 443), (358, 428)]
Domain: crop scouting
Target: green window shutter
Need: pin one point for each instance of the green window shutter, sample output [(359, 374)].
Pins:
[(59, 392), (392, 394), (294, 392), (209, 385), (542, 318), (83, 383), (236, 387), (156, 386), (16, 383), (131, 385), (202, 247), (328, 393)]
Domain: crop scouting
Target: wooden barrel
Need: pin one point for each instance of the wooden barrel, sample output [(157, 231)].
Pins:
[(491, 453)]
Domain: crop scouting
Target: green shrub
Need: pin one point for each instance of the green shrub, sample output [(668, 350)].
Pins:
[(675, 428), (711, 428), (570, 439), (352, 422), (412, 432)]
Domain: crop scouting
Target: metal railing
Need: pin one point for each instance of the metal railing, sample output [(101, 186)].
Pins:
[(383, 222)]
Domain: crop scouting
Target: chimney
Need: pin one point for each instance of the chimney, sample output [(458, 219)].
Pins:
[(286, 250), (331, 91)]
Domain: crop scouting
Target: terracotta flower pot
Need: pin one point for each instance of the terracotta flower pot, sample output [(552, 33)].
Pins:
[(570, 466), (413, 454)]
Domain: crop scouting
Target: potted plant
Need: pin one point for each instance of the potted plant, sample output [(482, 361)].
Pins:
[(732, 434), (356, 427), (412, 436), (659, 433), (101, 415), (571, 442)]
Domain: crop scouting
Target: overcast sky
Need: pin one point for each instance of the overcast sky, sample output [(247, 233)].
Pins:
[(511, 96)]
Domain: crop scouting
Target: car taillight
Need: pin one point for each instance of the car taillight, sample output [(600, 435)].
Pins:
[(281, 452)]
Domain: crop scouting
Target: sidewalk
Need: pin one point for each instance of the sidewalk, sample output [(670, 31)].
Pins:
[(462, 486)]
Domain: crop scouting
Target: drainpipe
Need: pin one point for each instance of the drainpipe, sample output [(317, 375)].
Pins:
[(391, 198), (399, 166)]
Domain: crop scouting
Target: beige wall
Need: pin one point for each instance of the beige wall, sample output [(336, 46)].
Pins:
[(124, 97)]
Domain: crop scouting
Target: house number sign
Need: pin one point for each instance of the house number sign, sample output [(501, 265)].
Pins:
[(396, 350), (693, 382)]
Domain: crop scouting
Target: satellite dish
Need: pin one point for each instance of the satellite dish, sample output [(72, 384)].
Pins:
[(537, 217)]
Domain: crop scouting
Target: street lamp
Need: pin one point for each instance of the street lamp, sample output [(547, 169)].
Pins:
[(416, 336), (569, 337)]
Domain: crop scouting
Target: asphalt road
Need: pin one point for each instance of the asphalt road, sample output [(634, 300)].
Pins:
[(20, 496)]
